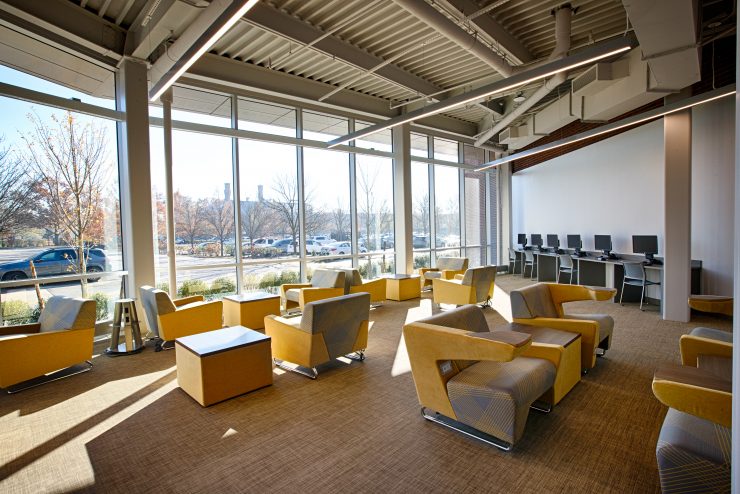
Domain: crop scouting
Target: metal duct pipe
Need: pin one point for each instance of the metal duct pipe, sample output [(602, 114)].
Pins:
[(428, 14), (563, 16)]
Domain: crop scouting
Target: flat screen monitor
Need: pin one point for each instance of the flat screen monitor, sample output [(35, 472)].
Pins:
[(645, 244), (553, 241), (521, 239), (603, 242), (574, 241), (536, 239)]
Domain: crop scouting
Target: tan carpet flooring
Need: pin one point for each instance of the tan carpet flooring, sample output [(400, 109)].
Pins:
[(127, 427)]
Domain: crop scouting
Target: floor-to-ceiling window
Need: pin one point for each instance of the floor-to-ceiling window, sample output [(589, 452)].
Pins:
[(420, 201), (446, 199), (475, 207)]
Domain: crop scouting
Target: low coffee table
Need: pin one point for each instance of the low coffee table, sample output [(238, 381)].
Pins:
[(402, 287), (217, 365), (250, 309)]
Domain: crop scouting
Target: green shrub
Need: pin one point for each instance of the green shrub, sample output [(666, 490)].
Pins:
[(223, 285), (101, 302), (421, 262), (164, 286), (17, 312), (273, 279), (192, 287)]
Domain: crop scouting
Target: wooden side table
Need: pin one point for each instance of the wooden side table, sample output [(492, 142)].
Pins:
[(403, 287), (217, 365), (250, 309)]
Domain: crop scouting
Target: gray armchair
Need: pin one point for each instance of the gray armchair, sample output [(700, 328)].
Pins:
[(327, 329), (325, 283), (447, 268), (474, 287)]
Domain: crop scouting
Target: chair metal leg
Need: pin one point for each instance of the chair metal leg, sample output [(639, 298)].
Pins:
[(571, 276), (621, 294), (359, 355), (304, 371), (55, 376), (642, 296), (464, 429), (558, 280)]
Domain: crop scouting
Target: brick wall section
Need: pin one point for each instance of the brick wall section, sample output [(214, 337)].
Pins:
[(724, 73)]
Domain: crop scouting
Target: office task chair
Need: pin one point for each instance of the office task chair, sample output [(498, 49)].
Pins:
[(447, 268), (512, 261), (715, 304), (528, 260), (693, 450), (170, 319), (327, 329), (634, 275), (541, 304), (475, 381), (474, 287), (325, 283), (566, 266), (62, 338)]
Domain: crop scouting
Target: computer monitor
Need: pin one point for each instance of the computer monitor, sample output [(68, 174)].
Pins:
[(574, 242), (536, 239), (553, 241), (645, 244), (603, 243), (521, 239)]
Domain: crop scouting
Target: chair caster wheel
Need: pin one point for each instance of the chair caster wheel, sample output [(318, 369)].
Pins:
[(158, 347)]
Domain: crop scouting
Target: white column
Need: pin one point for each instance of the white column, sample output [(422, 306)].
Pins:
[(166, 100), (677, 241), (135, 176), (504, 189), (402, 205)]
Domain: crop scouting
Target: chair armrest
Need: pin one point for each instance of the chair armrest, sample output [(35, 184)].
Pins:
[(545, 351), (196, 318), (312, 294), (452, 292), (589, 331), (188, 300), (289, 341), (289, 286), (424, 270), (694, 391), (20, 329), (459, 277), (376, 288), (449, 274), (445, 343), (573, 293), (693, 346)]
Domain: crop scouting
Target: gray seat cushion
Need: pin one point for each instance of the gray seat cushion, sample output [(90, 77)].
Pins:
[(454, 263), (352, 278), (481, 278), (155, 302), (693, 454), (327, 278), (712, 334), (606, 323), (293, 294), (61, 313), (532, 301), (494, 397), (430, 275), (338, 319)]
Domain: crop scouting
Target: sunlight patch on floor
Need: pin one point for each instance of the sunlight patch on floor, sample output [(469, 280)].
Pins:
[(401, 364)]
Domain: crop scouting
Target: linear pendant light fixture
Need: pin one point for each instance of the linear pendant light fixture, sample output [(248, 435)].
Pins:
[(592, 54), (226, 17), (627, 122)]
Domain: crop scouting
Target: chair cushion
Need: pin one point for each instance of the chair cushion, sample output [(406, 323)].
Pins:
[(693, 454), (67, 313), (326, 278), (712, 334), (430, 275), (155, 302), (467, 318), (352, 278), (453, 263), (293, 294), (532, 301), (494, 397), (481, 278), (338, 319), (606, 323)]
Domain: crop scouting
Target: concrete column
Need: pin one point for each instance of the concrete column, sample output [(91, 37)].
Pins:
[(504, 189), (677, 241), (402, 205), (135, 176), (735, 453), (166, 100)]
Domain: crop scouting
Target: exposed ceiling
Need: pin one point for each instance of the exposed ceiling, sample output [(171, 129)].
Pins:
[(372, 53)]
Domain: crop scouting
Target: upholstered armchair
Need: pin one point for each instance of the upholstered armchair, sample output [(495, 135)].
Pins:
[(447, 268), (63, 337), (542, 305), (473, 287), (353, 283), (170, 319), (467, 376), (715, 304), (327, 329), (703, 342), (693, 450), (325, 283)]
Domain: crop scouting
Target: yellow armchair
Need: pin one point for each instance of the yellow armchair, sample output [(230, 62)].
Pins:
[(325, 283), (353, 283), (474, 287), (542, 305), (447, 268), (475, 378), (705, 341), (170, 319), (63, 337), (327, 329)]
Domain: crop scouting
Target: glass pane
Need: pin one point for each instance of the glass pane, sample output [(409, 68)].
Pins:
[(419, 145), (420, 200), (422, 259), (159, 211), (269, 277), (376, 266), (476, 256), (202, 107), (315, 264), (447, 206), (267, 117), (448, 253), (213, 283), (475, 212), (380, 141), (269, 200), (323, 127), (492, 177), (326, 178), (445, 150), (204, 216), (375, 203)]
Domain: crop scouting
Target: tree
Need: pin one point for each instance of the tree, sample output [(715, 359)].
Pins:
[(69, 157), (188, 218), (340, 218), (219, 214), (421, 213), (255, 217), (373, 217), (16, 194)]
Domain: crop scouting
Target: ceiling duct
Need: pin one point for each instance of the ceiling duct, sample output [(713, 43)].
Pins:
[(598, 77)]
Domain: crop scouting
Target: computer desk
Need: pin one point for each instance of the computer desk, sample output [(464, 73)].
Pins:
[(609, 273)]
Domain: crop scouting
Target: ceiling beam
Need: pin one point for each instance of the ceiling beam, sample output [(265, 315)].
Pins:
[(153, 27), (487, 24), (275, 21)]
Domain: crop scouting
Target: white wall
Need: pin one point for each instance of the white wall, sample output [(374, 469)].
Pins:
[(712, 196), (614, 187)]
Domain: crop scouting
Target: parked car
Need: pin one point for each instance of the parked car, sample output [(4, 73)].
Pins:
[(322, 239), (421, 241), (339, 249), (54, 262), (313, 247), (263, 242), (284, 246)]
